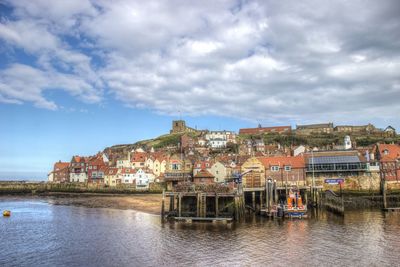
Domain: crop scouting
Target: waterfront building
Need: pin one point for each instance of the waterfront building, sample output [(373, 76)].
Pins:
[(111, 177), (388, 156), (96, 170), (78, 169), (127, 176), (203, 177), (143, 178), (335, 163), (221, 171), (61, 172), (282, 169), (178, 171), (200, 165)]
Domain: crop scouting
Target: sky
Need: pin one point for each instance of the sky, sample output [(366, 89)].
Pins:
[(77, 76)]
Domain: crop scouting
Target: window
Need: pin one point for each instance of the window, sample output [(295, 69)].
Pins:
[(385, 152), (288, 168), (274, 168)]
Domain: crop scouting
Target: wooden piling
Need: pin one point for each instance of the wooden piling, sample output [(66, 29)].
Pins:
[(163, 206), (275, 193), (267, 196), (384, 194), (261, 199), (253, 198), (198, 204), (180, 205), (216, 205)]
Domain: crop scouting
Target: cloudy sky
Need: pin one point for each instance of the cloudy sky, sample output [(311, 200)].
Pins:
[(77, 75)]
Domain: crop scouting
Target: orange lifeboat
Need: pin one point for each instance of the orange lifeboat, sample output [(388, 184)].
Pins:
[(289, 202), (299, 202)]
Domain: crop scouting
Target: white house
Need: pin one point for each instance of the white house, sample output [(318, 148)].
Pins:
[(79, 177), (50, 177), (299, 150), (347, 142), (229, 136), (127, 175), (159, 166), (217, 143), (124, 162), (143, 179), (149, 163)]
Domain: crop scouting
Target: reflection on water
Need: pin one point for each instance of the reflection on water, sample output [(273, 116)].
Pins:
[(41, 234)]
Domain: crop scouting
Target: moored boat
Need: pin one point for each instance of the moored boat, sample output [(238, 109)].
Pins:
[(295, 207), (6, 213)]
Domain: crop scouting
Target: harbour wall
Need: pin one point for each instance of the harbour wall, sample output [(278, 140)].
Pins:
[(7, 188)]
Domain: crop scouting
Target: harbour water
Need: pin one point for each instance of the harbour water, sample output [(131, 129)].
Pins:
[(39, 233)]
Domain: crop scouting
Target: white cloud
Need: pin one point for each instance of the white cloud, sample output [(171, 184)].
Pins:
[(258, 60)]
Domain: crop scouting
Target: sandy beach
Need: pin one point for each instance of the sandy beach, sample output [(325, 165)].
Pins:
[(149, 203)]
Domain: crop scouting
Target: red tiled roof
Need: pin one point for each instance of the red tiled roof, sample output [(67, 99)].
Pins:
[(393, 152), (128, 170), (295, 162), (203, 174), (61, 165), (112, 171), (138, 157)]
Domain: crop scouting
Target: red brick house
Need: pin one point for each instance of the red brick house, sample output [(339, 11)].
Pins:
[(61, 172), (389, 159), (96, 170)]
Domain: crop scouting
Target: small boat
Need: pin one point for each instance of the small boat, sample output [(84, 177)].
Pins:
[(6, 213)]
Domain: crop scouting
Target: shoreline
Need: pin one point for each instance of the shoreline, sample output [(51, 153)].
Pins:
[(147, 203)]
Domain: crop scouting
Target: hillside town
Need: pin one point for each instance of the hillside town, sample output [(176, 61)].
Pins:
[(279, 153)]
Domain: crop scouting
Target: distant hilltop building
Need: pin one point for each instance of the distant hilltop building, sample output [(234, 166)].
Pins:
[(261, 130), (179, 126), (355, 129), (315, 129)]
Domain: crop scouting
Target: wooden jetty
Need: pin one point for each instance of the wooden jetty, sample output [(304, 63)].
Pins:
[(212, 203)]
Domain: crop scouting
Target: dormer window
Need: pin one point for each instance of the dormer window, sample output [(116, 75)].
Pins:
[(274, 168), (385, 152)]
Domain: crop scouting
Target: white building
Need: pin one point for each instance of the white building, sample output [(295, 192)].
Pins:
[(347, 142), (220, 138), (124, 162), (50, 177), (127, 175), (77, 177), (143, 179), (299, 150)]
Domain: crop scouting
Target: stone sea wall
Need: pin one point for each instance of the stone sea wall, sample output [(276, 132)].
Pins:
[(44, 187)]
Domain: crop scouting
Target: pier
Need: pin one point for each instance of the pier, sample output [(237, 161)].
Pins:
[(213, 203)]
